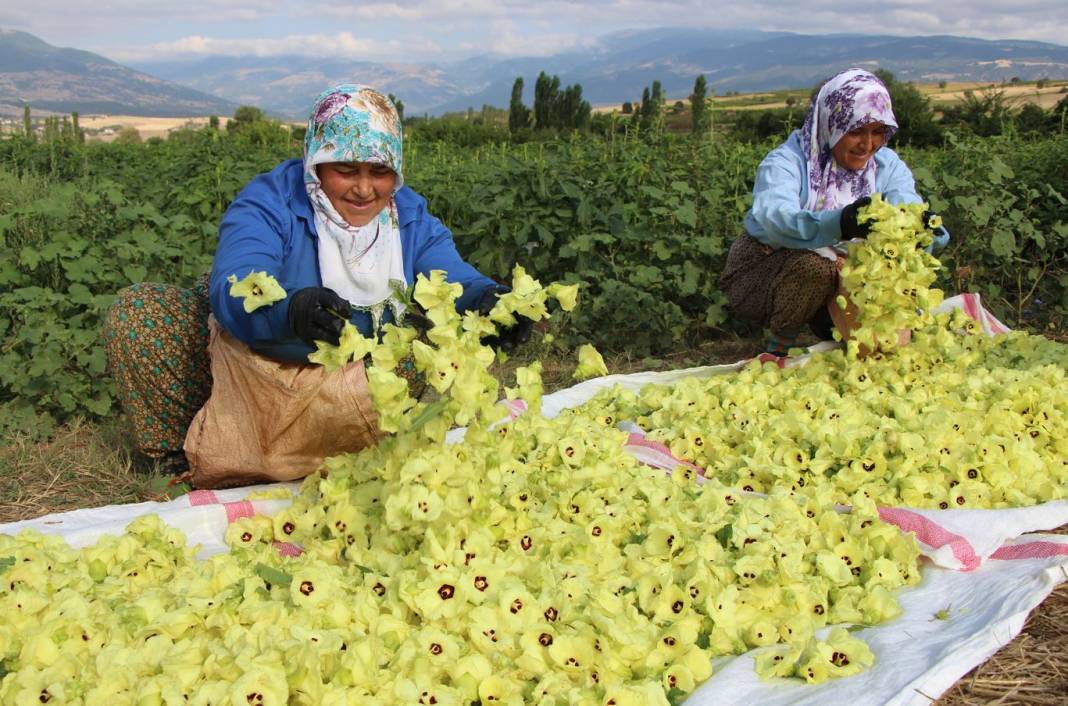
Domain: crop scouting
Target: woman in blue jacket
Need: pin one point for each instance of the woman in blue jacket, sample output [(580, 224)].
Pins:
[(338, 230), (782, 271)]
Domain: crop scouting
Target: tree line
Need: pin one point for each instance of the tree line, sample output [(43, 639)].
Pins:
[(554, 108)]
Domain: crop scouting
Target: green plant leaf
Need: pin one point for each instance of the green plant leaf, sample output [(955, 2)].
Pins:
[(273, 576)]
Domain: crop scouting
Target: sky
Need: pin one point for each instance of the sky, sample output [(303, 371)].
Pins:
[(132, 31)]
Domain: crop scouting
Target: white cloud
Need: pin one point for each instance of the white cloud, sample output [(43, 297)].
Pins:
[(418, 30), (133, 11), (459, 11), (340, 45), (989, 18)]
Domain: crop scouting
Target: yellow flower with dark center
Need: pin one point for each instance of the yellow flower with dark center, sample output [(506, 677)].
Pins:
[(257, 289)]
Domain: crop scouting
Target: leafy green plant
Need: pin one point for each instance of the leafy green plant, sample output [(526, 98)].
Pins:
[(644, 224)]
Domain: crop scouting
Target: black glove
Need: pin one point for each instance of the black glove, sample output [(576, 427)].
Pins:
[(507, 338), (318, 314), (850, 227), (928, 216), (415, 317)]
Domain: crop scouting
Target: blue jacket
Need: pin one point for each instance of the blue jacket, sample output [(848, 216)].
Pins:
[(270, 227), (777, 217)]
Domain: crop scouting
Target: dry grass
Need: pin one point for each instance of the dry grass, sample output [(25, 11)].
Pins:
[(87, 465), (1031, 670), (84, 465)]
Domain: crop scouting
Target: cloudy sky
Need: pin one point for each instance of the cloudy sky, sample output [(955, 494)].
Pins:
[(438, 30)]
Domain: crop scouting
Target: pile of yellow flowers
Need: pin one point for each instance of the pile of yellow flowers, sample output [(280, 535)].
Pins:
[(948, 421), (535, 562), (889, 276), (945, 422)]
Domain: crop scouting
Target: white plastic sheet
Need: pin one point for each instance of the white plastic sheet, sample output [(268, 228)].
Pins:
[(918, 656)]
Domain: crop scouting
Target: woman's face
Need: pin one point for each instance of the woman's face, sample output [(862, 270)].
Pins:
[(357, 190), (858, 145)]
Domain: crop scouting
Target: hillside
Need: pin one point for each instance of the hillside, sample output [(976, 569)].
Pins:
[(615, 69), (49, 78)]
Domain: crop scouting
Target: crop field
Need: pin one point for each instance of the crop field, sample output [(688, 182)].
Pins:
[(641, 223)]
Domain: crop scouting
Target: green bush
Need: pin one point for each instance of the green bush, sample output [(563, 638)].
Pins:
[(644, 224)]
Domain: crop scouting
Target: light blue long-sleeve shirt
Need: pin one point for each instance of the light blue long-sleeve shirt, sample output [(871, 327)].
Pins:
[(778, 217)]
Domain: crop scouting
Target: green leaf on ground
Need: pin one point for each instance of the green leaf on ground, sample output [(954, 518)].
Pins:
[(273, 576)]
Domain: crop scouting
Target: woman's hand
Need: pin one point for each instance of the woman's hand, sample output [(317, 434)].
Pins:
[(851, 228), (318, 314), (507, 338)]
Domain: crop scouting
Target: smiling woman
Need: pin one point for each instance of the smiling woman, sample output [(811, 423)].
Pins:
[(337, 237), (782, 272), (357, 191)]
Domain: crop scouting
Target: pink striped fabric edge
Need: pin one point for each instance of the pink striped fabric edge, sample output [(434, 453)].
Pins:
[(202, 497), (932, 534), (235, 511), (514, 407), (1031, 550), (973, 307), (772, 358), (288, 549), (653, 453)]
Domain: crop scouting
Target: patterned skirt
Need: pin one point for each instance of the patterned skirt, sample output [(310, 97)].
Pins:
[(781, 289)]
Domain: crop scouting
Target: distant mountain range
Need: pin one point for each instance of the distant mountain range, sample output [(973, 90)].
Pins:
[(35, 73), (616, 70)]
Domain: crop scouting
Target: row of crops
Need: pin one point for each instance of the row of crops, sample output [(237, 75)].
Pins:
[(644, 224)]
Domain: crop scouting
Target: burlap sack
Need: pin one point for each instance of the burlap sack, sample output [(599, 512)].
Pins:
[(272, 421)]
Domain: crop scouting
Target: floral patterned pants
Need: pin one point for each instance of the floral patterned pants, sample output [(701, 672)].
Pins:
[(156, 339), (781, 289)]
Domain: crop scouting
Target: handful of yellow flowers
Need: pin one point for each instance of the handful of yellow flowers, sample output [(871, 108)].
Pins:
[(888, 278)]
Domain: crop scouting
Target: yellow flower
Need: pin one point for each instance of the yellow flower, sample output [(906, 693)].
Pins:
[(435, 291), (565, 294), (257, 288), (590, 363), (261, 685)]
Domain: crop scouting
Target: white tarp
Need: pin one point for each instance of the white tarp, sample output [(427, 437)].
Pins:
[(918, 656), (985, 580)]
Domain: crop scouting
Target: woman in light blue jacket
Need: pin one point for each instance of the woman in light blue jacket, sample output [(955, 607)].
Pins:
[(782, 272)]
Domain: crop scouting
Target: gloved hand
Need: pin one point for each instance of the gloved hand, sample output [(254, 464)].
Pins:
[(507, 338), (318, 314), (415, 317), (928, 217), (933, 222), (849, 225)]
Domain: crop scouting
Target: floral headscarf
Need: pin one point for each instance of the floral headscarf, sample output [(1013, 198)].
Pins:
[(365, 265), (849, 100)]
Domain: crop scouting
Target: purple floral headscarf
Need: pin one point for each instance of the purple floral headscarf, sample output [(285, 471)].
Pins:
[(849, 100)]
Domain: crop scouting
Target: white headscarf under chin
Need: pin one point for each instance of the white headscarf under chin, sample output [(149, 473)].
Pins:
[(363, 264)]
